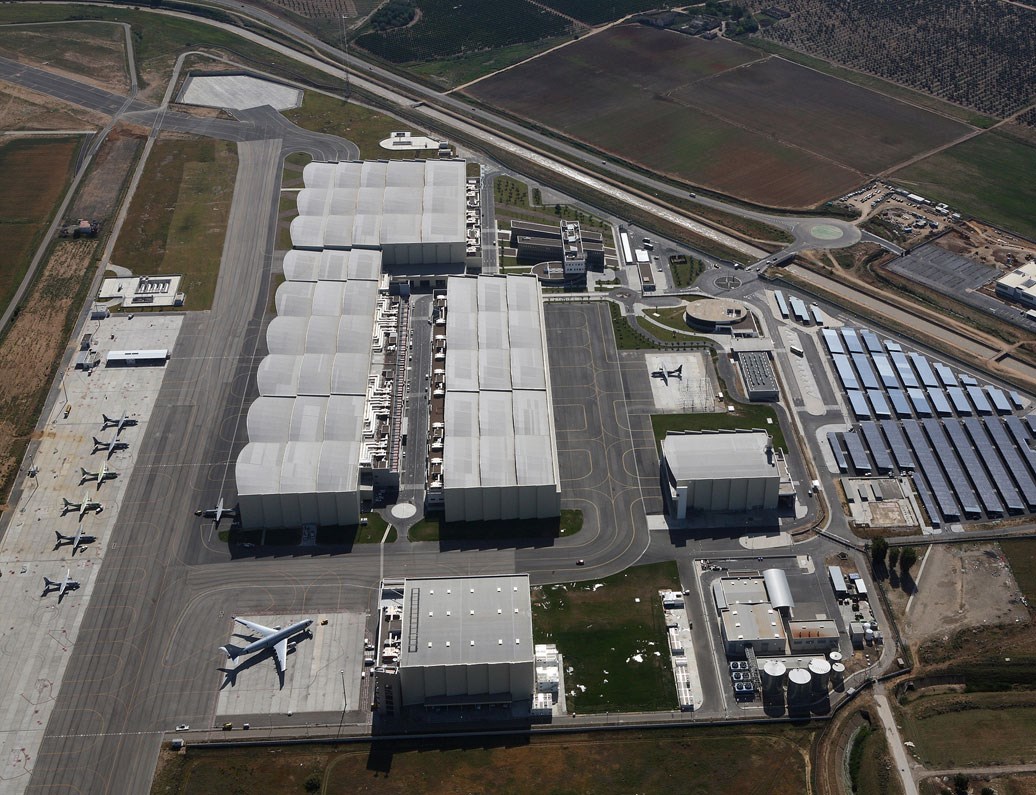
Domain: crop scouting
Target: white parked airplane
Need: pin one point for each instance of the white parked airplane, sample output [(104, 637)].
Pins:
[(274, 637), (76, 541), (100, 476), (63, 587), (122, 422), (86, 504), (111, 446), (217, 513)]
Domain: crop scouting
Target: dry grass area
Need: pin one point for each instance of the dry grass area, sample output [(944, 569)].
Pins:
[(1017, 784), (178, 217), (700, 761), (34, 344), (21, 109), (960, 586), (100, 190), (94, 52)]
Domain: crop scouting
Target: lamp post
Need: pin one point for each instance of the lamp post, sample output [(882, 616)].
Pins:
[(345, 49), (345, 703)]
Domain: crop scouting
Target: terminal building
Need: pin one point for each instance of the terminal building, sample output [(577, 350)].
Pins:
[(565, 245), (722, 471), (458, 643), (496, 435)]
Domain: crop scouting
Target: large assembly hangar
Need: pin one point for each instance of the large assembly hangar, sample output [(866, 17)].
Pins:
[(412, 211), (306, 430), (462, 641), (499, 454)]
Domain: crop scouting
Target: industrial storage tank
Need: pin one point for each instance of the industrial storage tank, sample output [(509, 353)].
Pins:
[(837, 674), (799, 680), (834, 657), (773, 674), (821, 671)]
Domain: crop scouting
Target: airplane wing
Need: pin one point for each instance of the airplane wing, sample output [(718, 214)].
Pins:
[(264, 631), (282, 654)]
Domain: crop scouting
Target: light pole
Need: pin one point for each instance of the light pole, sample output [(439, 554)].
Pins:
[(345, 49), (345, 703)]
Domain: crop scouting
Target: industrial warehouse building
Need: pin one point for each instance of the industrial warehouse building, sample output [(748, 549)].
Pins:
[(721, 471), (753, 610), (455, 642), (412, 211), (499, 457), (565, 243), (1019, 285)]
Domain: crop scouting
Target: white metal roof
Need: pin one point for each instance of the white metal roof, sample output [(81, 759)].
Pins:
[(719, 456), (297, 468), (337, 266)]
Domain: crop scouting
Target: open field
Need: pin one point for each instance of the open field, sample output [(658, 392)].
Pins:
[(94, 51), (488, 24), (745, 415), (195, 179), (433, 528), (612, 633), (977, 53), (958, 730), (717, 114), (364, 127), (702, 761), (595, 12), (511, 196), (33, 174), (21, 109), (991, 176), (1021, 556), (461, 69)]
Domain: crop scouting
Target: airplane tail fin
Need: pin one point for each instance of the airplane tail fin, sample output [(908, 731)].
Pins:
[(99, 443), (86, 475), (49, 583), (61, 538), (232, 652), (109, 421)]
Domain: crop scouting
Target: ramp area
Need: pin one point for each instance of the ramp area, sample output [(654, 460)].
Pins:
[(238, 92)]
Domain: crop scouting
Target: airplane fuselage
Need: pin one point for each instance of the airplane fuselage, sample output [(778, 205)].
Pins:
[(272, 640)]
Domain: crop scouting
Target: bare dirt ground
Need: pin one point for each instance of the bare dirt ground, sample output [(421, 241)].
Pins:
[(100, 190), (21, 109), (32, 347), (959, 586), (986, 244)]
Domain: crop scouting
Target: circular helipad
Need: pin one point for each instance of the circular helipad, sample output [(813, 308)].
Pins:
[(403, 510), (826, 232), (728, 282)]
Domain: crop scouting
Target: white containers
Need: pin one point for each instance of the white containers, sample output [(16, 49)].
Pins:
[(837, 674), (774, 673), (821, 672), (799, 681), (835, 657)]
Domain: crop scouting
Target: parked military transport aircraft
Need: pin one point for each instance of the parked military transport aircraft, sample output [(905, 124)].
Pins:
[(84, 505), (100, 476), (217, 513), (119, 423), (110, 446), (63, 586), (76, 541)]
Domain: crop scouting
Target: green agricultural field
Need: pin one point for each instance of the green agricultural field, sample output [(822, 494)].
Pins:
[(487, 25), (178, 216), (991, 176), (744, 416), (612, 633), (33, 174), (956, 730)]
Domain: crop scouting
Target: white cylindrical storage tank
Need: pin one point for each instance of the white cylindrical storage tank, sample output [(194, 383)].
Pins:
[(837, 674), (773, 675), (868, 635), (799, 680), (821, 671), (834, 657)]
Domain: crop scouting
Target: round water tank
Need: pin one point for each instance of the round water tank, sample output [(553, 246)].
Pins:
[(837, 673), (799, 680), (821, 671), (835, 657), (773, 674)]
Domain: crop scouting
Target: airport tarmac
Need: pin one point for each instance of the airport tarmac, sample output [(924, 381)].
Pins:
[(324, 662), (693, 390), (39, 632), (238, 92)]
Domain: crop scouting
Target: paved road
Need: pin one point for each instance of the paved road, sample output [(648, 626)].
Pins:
[(896, 747)]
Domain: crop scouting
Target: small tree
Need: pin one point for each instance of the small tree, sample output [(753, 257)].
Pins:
[(893, 557), (879, 549), (960, 781), (907, 559)]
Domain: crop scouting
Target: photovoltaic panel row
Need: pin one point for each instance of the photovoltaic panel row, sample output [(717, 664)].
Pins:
[(857, 452), (879, 452), (978, 397), (927, 499), (863, 367), (836, 449), (1016, 399), (859, 404), (939, 402), (900, 403), (929, 467), (1015, 464), (986, 492), (917, 400), (852, 341), (879, 404), (1030, 420), (886, 372), (1021, 438), (999, 400), (845, 371), (1001, 479), (833, 341), (906, 372), (900, 449), (959, 400), (944, 453), (870, 339), (924, 370), (945, 374)]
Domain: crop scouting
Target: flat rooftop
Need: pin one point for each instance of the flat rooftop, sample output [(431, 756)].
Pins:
[(752, 622), (719, 455), (466, 620), (757, 371)]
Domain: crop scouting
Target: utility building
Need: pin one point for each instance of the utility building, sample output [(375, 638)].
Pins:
[(499, 452), (721, 471), (455, 642)]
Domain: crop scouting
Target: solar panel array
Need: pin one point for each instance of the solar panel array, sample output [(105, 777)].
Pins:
[(968, 454)]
